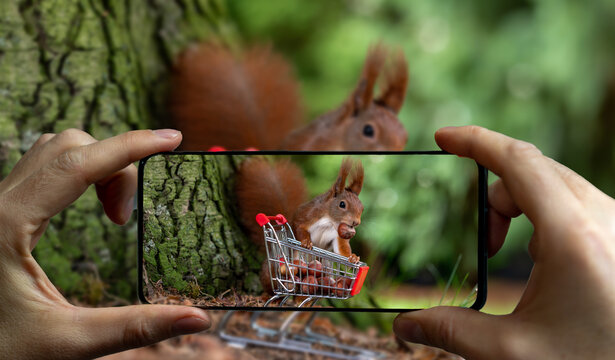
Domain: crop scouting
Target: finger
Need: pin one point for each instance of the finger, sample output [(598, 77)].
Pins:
[(528, 176), (497, 230), (117, 192), (21, 169), (466, 332), (108, 330), (47, 148), (500, 200), (597, 204), (581, 188), (501, 209), (63, 180)]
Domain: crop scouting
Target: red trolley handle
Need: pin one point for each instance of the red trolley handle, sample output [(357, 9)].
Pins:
[(221, 148), (263, 219), (358, 283)]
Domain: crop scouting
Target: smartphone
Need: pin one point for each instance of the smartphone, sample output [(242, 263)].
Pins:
[(420, 241)]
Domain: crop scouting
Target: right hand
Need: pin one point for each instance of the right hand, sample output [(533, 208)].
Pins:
[(568, 307)]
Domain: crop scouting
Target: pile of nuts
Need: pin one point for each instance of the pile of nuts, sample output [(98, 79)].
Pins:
[(311, 275)]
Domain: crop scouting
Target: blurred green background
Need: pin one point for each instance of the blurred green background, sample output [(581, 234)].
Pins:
[(541, 71), (418, 227)]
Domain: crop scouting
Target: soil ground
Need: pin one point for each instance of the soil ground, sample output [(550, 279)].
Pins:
[(503, 295), (207, 345)]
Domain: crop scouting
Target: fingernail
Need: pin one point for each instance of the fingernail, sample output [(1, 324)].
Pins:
[(189, 325), (167, 133), (446, 128), (409, 330)]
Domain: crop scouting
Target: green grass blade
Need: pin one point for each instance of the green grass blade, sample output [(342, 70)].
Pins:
[(471, 296), (450, 279), (459, 288)]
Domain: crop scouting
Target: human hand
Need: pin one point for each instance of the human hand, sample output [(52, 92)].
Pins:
[(567, 309), (35, 319)]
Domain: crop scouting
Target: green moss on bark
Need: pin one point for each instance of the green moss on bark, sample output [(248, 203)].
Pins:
[(190, 229), (100, 67)]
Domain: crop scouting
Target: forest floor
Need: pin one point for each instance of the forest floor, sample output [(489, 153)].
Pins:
[(157, 294), (239, 325), (208, 345)]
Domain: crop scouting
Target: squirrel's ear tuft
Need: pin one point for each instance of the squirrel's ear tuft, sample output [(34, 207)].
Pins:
[(356, 182), (394, 89), (363, 94), (340, 183)]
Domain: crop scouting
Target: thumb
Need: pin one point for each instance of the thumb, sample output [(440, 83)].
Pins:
[(462, 331), (107, 330)]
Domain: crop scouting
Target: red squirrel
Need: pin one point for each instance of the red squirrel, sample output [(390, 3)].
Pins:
[(279, 188), (251, 100), (328, 220)]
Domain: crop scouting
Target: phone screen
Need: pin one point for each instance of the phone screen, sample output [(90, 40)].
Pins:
[(411, 235)]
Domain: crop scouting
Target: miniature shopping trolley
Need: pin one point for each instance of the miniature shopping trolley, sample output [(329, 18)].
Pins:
[(309, 275)]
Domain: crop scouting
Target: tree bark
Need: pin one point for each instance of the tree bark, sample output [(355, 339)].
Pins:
[(191, 240), (99, 66)]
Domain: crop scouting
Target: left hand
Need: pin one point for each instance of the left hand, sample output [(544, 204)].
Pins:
[(36, 321)]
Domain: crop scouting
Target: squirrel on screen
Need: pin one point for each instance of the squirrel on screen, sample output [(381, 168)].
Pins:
[(328, 220), (250, 100)]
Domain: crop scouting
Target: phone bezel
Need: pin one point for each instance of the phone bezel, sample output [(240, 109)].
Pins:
[(481, 294)]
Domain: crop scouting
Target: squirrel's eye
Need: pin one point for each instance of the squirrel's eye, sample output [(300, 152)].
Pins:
[(342, 204), (368, 130)]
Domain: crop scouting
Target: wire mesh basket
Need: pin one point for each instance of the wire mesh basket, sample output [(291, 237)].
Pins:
[(314, 273)]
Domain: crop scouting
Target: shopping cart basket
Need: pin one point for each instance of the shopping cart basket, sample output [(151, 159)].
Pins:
[(309, 275)]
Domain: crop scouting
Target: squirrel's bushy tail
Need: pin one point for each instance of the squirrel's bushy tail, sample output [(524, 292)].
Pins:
[(233, 100), (268, 187)]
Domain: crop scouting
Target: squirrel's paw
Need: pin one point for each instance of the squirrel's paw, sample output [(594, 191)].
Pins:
[(306, 243), (354, 258)]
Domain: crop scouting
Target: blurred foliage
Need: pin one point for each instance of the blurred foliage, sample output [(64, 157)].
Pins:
[(419, 224), (411, 223), (541, 71)]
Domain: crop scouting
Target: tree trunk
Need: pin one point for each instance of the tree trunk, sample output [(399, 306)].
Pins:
[(192, 242), (99, 66)]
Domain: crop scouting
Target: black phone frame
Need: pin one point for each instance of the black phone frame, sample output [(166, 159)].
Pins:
[(483, 209)]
